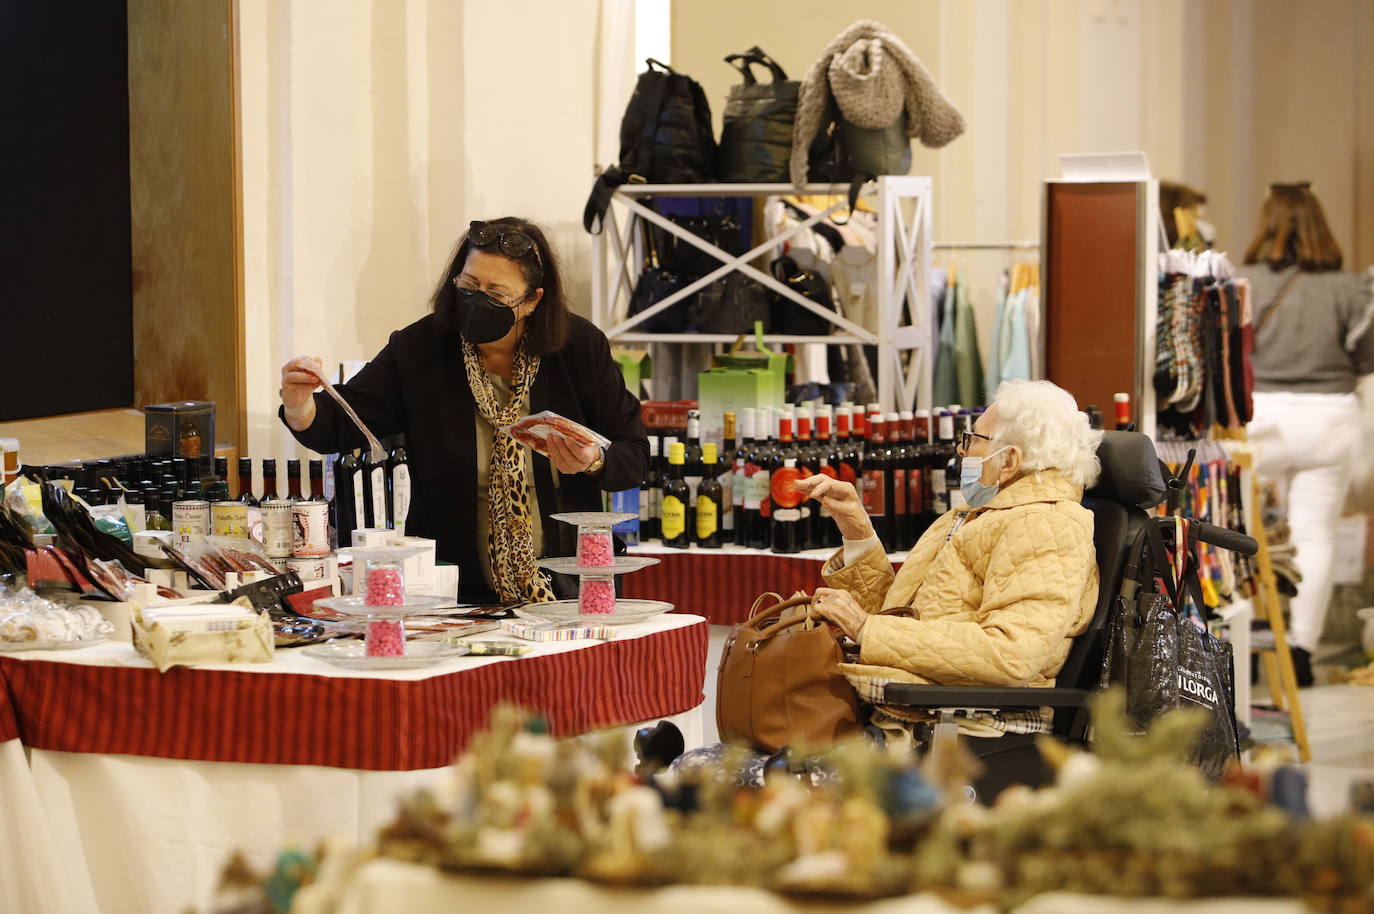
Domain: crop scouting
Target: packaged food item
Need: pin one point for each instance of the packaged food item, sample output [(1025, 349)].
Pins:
[(556, 631), (534, 431)]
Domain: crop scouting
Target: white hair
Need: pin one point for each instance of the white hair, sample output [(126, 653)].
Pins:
[(1044, 423)]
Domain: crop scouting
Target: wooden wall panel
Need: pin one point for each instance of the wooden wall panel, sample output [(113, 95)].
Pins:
[(188, 322), (1091, 282)]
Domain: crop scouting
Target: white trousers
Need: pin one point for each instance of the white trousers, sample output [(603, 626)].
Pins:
[(1308, 444)]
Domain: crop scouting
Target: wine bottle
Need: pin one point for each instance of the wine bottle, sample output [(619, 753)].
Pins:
[(710, 501), (953, 490), (850, 464), (398, 486), (827, 463), (756, 497), (918, 485), (315, 469), (894, 481), (784, 471), (801, 432), (374, 491), (725, 475), (941, 453), (875, 479), (269, 479), (154, 518), (693, 470), (293, 480), (858, 428), (675, 498), (349, 510), (219, 489), (650, 496), (246, 482), (1122, 403), (744, 519)]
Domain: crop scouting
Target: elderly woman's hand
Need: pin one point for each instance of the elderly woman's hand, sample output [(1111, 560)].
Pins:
[(842, 501), (841, 608)]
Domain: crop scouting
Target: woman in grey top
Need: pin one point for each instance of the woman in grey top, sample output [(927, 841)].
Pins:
[(1313, 341)]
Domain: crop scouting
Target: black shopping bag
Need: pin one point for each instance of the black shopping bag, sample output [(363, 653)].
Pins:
[(1164, 659)]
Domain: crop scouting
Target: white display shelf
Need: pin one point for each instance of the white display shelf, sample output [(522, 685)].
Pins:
[(905, 322)]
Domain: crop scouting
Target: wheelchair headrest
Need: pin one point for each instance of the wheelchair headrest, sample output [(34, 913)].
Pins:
[(1131, 471)]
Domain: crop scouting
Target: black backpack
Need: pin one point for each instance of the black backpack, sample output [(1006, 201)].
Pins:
[(665, 138)]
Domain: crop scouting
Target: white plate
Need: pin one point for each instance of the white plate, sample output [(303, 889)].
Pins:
[(49, 645), (624, 564), (352, 655), (594, 518), (627, 612), (415, 605)]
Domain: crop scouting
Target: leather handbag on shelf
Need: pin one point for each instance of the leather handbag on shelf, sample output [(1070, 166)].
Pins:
[(780, 683), (756, 133), (790, 317)]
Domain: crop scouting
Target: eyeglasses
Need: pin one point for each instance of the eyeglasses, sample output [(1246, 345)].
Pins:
[(497, 297), (966, 439), (512, 242)]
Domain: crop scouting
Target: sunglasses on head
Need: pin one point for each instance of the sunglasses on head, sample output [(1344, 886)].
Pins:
[(511, 242)]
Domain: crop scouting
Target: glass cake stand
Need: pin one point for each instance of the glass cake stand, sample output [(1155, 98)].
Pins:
[(352, 655), (596, 566)]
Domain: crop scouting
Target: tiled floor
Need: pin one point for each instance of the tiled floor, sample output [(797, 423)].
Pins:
[(1340, 728)]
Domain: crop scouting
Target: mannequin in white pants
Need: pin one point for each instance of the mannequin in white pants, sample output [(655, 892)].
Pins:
[(1309, 443)]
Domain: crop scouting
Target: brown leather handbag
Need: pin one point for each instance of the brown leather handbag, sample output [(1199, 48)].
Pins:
[(780, 684)]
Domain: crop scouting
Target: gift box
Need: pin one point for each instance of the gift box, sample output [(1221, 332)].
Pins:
[(635, 366), (725, 390), (182, 429), (210, 633)]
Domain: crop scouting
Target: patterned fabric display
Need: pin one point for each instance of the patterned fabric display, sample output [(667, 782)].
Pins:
[(510, 517)]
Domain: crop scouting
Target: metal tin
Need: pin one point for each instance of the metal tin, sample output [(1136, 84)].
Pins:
[(229, 518), (190, 520), (276, 528), (309, 529), (318, 568)]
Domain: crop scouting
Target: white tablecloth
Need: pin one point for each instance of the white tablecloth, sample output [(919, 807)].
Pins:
[(105, 834)]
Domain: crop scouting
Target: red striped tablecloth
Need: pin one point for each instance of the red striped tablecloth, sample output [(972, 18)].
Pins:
[(722, 584), (344, 722)]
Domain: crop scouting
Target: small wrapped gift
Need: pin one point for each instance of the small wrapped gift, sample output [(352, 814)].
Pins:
[(204, 633)]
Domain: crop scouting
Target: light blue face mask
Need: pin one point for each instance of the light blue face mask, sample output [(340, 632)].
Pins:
[(976, 492)]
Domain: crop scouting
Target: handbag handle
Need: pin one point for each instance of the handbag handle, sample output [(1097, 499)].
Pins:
[(755, 55), (759, 616)]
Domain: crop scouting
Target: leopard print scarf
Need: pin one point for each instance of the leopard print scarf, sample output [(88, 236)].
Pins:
[(509, 516)]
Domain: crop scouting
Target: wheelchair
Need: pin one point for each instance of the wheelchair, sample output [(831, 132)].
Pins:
[(1133, 483)]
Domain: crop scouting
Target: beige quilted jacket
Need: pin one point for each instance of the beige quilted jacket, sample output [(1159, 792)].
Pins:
[(1000, 600)]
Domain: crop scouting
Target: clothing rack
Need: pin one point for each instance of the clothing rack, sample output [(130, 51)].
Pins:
[(986, 245)]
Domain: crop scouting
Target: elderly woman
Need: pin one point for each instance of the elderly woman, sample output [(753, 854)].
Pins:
[(1000, 587)]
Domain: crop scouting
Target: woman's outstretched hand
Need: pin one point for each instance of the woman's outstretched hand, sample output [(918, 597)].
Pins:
[(842, 501)]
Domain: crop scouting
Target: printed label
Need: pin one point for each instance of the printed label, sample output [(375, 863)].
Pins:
[(378, 496), (847, 473), (915, 494), (400, 495), (359, 499), (899, 492), (674, 517), (740, 483), (787, 515), (727, 498), (707, 517), (783, 486), (874, 494)]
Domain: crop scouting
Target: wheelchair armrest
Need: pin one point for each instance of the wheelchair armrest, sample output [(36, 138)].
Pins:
[(912, 695)]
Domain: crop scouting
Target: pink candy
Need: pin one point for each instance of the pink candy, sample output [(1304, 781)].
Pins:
[(385, 586), (386, 638), (596, 597), (594, 549)]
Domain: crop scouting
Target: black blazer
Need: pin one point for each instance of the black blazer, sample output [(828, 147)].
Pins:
[(418, 385)]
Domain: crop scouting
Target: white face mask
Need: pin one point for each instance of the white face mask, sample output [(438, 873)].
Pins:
[(976, 492)]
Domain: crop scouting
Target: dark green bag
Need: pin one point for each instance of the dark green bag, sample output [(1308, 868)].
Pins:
[(756, 136)]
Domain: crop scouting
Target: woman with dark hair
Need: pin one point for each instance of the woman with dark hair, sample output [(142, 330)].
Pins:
[(1313, 341), (501, 344)]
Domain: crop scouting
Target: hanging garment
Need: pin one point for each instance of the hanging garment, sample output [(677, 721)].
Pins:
[(994, 376), (946, 381), (968, 357), (1014, 356)]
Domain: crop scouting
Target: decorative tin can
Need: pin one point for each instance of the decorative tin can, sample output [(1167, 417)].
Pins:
[(190, 520), (276, 528), (319, 568), (309, 529), (229, 518)]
